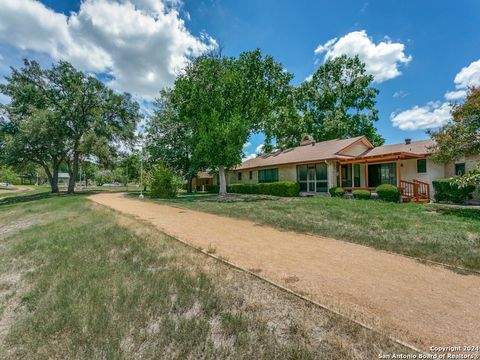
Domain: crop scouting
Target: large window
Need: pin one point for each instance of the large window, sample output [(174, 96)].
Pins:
[(239, 176), (379, 174), (268, 175), (312, 178), (421, 166)]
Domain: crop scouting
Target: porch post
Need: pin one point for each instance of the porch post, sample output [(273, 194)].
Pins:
[(366, 174), (340, 172), (353, 175), (398, 172)]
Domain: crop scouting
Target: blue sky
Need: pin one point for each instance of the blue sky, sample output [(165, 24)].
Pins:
[(417, 50)]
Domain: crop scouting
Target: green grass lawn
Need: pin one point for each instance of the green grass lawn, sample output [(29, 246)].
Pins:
[(80, 281), (432, 232)]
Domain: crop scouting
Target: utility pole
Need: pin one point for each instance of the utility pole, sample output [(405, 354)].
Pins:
[(141, 174)]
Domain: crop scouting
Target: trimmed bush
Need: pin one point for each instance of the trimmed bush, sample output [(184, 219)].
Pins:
[(388, 192), (163, 184), (281, 188), (336, 191), (361, 194), (214, 189), (448, 190)]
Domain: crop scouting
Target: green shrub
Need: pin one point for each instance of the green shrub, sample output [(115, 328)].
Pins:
[(8, 176), (336, 191), (361, 194), (164, 183), (448, 190), (281, 188), (388, 192), (215, 189), (103, 177)]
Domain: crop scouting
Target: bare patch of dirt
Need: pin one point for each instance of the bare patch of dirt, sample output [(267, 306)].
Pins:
[(12, 227)]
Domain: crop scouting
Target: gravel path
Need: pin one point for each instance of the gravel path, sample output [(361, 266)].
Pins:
[(424, 305)]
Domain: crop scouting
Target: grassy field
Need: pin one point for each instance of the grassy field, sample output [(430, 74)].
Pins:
[(432, 232), (80, 281)]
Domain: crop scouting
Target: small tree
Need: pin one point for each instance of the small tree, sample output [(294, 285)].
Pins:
[(8, 176), (163, 182), (461, 136)]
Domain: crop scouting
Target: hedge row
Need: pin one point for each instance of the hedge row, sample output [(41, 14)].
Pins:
[(448, 190), (280, 188), (385, 192)]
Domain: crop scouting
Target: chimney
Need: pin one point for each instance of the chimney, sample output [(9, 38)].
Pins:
[(307, 140), (408, 141)]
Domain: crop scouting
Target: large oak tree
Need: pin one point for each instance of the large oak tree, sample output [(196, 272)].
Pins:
[(222, 100)]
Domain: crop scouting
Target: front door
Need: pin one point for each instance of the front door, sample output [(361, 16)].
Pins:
[(311, 180)]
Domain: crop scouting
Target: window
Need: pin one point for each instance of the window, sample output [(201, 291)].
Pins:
[(312, 177), (239, 176), (379, 174), (421, 166), (268, 175), (250, 175), (460, 169)]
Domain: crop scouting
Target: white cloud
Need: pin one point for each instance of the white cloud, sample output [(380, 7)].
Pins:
[(469, 76), (455, 95), (247, 144), (432, 115), (142, 44), (259, 149), (249, 156), (382, 60), (400, 94)]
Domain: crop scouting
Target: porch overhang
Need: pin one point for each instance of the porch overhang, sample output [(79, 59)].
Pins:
[(382, 158)]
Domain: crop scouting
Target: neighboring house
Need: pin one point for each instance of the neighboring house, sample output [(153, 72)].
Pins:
[(353, 164), (202, 179), (63, 178)]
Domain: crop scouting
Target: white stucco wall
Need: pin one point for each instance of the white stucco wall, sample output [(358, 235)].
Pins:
[(408, 171)]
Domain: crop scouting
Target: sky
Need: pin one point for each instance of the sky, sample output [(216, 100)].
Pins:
[(423, 54)]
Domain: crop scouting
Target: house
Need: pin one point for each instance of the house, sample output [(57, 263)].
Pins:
[(352, 164), (202, 179), (63, 178)]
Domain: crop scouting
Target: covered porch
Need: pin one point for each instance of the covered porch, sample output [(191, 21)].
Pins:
[(369, 172)]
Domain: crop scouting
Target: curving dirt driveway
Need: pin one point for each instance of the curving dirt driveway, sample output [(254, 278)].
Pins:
[(422, 304)]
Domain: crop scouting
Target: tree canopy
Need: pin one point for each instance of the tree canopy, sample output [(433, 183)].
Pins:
[(461, 136), (218, 101), (339, 101), (88, 118)]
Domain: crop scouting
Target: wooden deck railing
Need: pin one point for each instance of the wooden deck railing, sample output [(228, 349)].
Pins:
[(415, 190)]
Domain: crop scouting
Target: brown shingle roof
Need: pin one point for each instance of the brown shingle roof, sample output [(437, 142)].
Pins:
[(415, 147), (324, 150), (327, 150)]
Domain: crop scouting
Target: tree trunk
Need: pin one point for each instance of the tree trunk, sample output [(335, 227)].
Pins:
[(223, 182), (73, 173), (189, 183), (52, 178)]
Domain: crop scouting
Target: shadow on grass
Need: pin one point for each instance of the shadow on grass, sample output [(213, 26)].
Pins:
[(27, 197), (473, 214)]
